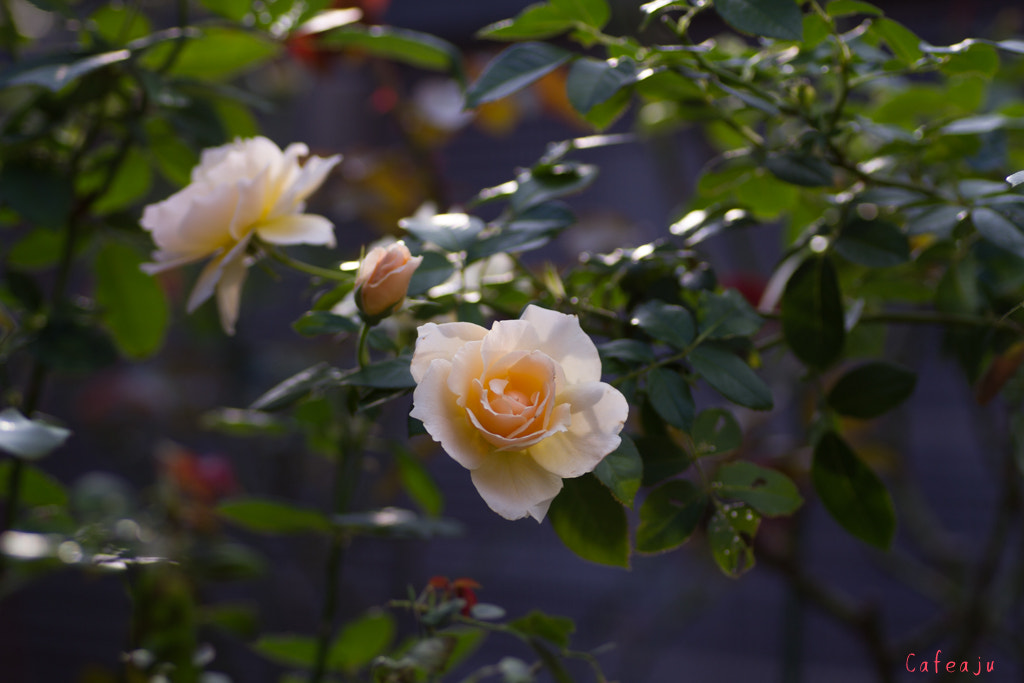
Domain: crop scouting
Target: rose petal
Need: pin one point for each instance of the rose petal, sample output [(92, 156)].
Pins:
[(561, 337), (514, 486), (211, 275), (303, 228), (310, 177), (434, 405), (441, 341), (506, 336), (598, 413), (229, 292)]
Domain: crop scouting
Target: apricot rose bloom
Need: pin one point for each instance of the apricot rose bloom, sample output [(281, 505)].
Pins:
[(383, 279), (240, 190), (522, 405)]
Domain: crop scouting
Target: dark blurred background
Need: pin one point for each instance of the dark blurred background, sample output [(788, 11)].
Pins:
[(670, 618)]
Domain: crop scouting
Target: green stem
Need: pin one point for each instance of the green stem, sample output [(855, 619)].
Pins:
[(308, 268), (363, 350)]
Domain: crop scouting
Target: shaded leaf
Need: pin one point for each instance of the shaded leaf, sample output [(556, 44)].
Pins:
[(768, 491), (812, 313), (594, 81), (730, 376), (313, 323), (590, 522), (536, 624), (851, 492), (715, 431), (871, 390), (669, 515), (799, 168), (389, 374), (731, 534), (622, 471), (874, 243), (133, 306), (670, 397), (666, 322), (411, 47)]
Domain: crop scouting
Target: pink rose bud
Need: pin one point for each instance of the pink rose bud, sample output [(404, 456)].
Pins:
[(383, 280)]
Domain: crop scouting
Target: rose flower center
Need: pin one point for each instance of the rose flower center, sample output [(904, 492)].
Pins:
[(512, 402)]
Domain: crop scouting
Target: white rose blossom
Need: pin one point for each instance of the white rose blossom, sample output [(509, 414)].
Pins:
[(521, 405), (245, 188)]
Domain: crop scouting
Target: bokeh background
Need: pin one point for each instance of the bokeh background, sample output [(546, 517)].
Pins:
[(138, 428)]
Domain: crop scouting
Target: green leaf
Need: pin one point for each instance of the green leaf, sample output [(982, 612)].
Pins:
[(536, 22), (236, 10), (130, 182), (410, 47), (873, 243), (37, 487), (452, 232), (290, 650), (40, 248), (731, 377), (296, 387), (871, 390), (903, 42), (799, 168), (361, 641), (768, 491), (590, 522), (418, 483), (669, 515), (119, 25), (389, 374), (812, 313), (594, 13), (978, 59), (727, 314), (174, 158), (731, 534), (670, 397), (394, 522), (514, 69), (434, 269), (272, 517), (219, 54), (313, 323), (663, 458), (852, 493), (55, 75), (544, 183), (133, 306), (628, 350), (41, 194), (666, 323), (842, 8), (1002, 226), (28, 439), (976, 125), (715, 431), (771, 18), (622, 471), (937, 220), (239, 422), (594, 81), (536, 624)]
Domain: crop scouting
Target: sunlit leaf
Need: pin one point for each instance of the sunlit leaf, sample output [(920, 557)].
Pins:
[(514, 69), (771, 18)]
